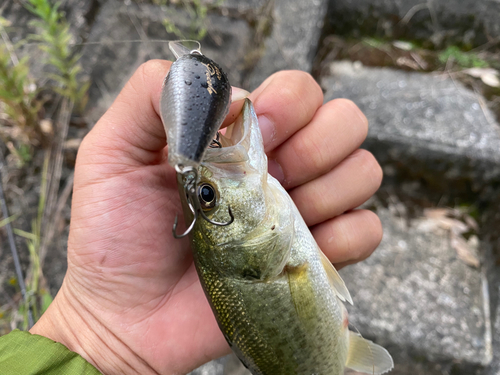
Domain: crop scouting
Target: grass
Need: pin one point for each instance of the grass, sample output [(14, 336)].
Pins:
[(38, 297), (404, 54), (197, 13), (55, 39), (462, 59), (18, 95), (21, 106)]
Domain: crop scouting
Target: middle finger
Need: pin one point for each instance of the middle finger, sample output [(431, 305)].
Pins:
[(336, 130)]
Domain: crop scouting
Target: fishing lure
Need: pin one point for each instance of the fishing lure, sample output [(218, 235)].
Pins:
[(194, 101)]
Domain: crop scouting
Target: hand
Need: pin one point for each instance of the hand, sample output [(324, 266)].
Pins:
[(131, 301)]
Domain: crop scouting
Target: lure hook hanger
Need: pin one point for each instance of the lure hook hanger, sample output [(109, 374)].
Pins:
[(215, 142), (189, 177)]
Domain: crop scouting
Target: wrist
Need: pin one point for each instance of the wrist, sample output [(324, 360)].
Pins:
[(72, 324)]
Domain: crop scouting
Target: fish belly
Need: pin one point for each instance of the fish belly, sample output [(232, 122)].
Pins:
[(286, 326)]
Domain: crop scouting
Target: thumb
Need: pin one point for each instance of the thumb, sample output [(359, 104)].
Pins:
[(131, 129)]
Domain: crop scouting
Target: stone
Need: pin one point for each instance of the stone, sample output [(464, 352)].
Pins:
[(425, 127), (494, 290), (241, 7), (215, 367), (126, 35), (438, 22), (296, 29), (416, 298), (494, 369), (228, 365)]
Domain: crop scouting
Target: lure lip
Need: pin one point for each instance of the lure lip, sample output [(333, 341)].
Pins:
[(178, 48)]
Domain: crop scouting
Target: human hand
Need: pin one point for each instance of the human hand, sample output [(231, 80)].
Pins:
[(131, 301)]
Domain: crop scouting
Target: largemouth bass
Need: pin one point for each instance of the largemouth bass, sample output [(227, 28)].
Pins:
[(276, 297)]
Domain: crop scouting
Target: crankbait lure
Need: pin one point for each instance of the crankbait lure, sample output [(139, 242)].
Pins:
[(194, 101)]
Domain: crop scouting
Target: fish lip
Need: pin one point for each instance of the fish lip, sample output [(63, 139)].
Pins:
[(238, 151)]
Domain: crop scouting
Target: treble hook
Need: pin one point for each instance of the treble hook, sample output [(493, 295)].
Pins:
[(189, 177)]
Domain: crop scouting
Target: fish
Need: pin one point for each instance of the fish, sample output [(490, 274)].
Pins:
[(276, 297)]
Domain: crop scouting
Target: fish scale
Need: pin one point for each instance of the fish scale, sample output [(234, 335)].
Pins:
[(257, 319), (236, 324)]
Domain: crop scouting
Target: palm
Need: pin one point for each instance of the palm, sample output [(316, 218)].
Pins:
[(146, 278)]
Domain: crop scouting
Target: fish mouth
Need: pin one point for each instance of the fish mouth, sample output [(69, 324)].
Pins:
[(235, 141)]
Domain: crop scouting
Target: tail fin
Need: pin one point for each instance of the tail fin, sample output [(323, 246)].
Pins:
[(367, 357)]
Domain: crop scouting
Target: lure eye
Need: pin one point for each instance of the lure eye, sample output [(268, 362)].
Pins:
[(207, 196)]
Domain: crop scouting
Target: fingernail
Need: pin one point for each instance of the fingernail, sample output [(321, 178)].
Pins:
[(238, 94), (275, 170), (267, 129)]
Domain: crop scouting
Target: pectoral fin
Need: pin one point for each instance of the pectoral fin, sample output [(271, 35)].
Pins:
[(367, 357), (335, 279)]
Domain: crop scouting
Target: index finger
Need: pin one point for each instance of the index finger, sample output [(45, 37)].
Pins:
[(131, 127), (284, 103)]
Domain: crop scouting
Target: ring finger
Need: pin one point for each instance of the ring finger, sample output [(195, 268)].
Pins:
[(336, 130), (349, 238)]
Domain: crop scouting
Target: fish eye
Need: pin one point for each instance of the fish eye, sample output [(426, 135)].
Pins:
[(207, 196)]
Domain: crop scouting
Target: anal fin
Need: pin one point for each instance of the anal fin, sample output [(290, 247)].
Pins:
[(335, 279), (365, 356)]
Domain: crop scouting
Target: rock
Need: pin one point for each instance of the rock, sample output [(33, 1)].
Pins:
[(228, 365), (414, 296), (215, 367), (296, 28), (113, 58), (494, 369), (425, 127), (241, 7), (466, 22), (494, 282)]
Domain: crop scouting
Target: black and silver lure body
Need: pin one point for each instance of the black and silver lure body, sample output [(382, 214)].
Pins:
[(195, 100)]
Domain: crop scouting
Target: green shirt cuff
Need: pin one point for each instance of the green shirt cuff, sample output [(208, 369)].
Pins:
[(24, 353)]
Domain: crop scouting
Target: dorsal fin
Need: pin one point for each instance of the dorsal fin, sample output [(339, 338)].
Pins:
[(335, 279), (367, 357)]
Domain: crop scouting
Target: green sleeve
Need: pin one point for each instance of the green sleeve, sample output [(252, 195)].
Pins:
[(22, 353)]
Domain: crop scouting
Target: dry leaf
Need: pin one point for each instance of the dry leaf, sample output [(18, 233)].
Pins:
[(405, 46), (436, 212), (489, 76), (72, 144), (447, 219), (46, 126), (491, 80), (404, 61), (466, 250)]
